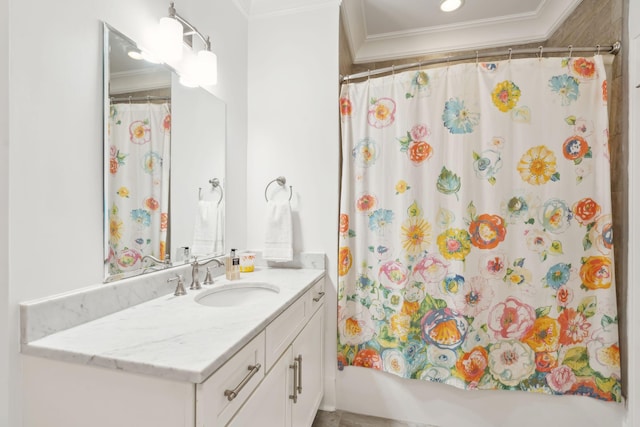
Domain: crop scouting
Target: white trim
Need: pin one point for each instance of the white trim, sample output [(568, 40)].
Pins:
[(271, 8), (480, 34)]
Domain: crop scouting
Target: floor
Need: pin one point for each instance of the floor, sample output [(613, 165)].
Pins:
[(348, 419)]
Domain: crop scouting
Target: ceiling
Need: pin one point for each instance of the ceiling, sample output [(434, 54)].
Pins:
[(380, 30)]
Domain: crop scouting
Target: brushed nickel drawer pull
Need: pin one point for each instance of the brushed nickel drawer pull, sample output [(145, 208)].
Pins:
[(232, 394), (320, 295), (299, 360), (294, 396)]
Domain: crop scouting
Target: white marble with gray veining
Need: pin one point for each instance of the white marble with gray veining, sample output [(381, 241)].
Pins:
[(167, 336)]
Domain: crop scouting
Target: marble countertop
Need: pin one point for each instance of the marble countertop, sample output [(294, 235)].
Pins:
[(176, 337)]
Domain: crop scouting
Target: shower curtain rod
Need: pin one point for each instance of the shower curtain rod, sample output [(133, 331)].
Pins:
[(541, 50), (140, 98)]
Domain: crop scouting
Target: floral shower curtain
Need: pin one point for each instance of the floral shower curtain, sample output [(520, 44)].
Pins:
[(139, 144), (475, 227)]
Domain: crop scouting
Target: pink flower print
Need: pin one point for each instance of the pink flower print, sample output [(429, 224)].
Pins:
[(382, 113), (430, 269), (139, 132), (474, 298), (393, 275), (561, 379), (419, 132), (511, 318)]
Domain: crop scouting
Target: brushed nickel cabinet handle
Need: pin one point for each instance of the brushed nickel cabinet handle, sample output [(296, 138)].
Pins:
[(232, 394), (319, 297), (294, 396), (299, 360)]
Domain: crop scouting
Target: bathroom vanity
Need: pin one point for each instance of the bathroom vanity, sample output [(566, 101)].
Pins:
[(209, 358)]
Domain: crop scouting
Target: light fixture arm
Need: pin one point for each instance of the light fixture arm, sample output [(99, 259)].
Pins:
[(193, 30)]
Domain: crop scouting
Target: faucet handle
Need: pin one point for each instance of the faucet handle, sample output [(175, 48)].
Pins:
[(208, 280), (180, 288)]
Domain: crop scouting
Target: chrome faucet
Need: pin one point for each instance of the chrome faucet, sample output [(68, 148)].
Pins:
[(165, 263), (195, 271)]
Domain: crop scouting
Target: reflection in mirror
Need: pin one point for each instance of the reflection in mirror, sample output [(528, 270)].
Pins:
[(164, 143)]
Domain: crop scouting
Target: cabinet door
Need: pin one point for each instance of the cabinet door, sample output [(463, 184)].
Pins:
[(310, 346), (269, 405)]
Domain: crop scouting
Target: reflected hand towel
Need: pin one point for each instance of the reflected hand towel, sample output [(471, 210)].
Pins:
[(278, 244), (206, 229)]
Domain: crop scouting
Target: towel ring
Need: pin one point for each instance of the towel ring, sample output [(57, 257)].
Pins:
[(215, 183), (281, 180)]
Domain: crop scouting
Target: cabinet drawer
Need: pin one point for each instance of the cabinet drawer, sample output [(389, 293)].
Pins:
[(282, 331), (235, 380), (316, 297)]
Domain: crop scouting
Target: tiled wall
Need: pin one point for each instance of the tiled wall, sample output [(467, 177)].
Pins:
[(592, 22)]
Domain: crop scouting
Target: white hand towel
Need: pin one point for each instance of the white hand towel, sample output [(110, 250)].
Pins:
[(278, 245), (205, 230)]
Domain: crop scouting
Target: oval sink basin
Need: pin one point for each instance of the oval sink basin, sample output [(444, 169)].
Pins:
[(235, 294)]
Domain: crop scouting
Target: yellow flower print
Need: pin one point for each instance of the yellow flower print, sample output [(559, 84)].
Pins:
[(115, 230), (402, 186), (416, 234), (454, 243), (538, 165), (505, 95), (400, 324), (123, 192)]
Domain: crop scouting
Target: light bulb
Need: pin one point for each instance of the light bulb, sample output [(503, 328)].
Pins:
[(450, 5), (170, 35), (207, 68)]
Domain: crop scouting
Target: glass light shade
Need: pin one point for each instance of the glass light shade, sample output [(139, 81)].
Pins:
[(207, 68), (170, 35), (450, 5)]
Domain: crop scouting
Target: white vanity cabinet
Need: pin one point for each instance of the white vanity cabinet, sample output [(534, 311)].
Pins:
[(254, 386), (291, 392)]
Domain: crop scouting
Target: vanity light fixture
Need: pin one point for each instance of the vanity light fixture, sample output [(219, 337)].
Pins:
[(175, 33), (450, 5)]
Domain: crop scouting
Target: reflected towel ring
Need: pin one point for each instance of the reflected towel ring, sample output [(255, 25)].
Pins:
[(215, 183), (281, 180)]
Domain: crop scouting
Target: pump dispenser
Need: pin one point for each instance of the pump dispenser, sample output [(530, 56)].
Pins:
[(233, 266)]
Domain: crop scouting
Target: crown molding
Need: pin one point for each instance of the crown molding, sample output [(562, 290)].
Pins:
[(535, 26), (267, 8)]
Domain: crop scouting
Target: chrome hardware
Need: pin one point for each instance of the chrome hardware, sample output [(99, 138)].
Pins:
[(195, 271), (281, 181), (180, 288), (294, 396), (232, 394), (319, 297), (299, 360)]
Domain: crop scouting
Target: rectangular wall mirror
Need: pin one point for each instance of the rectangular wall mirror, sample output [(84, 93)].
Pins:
[(164, 164)]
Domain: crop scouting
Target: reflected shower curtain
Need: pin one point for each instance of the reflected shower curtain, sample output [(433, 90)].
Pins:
[(475, 227), (138, 203)]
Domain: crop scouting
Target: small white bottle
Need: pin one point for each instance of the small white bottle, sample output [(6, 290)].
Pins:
[(232, 266)]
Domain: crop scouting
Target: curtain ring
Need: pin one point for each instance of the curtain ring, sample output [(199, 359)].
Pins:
[(597, 49), (393, 71), (130, 97), (540, 53), (477, 56), (510, 52), (570, 50)]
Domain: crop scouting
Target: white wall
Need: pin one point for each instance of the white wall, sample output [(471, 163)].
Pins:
[(4, 226), (293, 131), (55, 129)]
